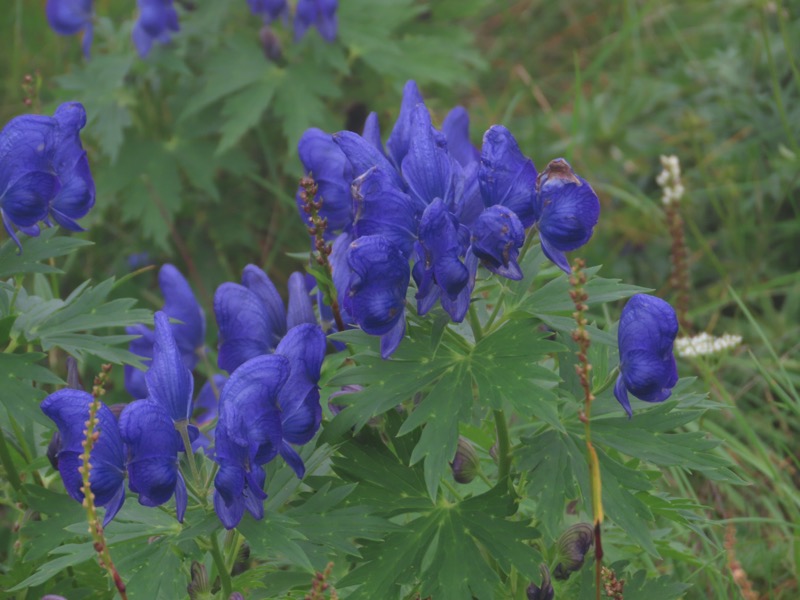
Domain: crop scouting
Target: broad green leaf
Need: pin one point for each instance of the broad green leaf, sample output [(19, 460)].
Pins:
[(47, 245), (69, 555), (276, 537), (242, 110)]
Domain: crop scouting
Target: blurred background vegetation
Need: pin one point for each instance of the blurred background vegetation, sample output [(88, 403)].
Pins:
[(193, 151)]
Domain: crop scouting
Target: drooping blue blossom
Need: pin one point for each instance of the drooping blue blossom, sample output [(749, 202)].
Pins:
[(376, 291), (248, 435), (169, 381), (332, 172), (153, 446), (68, 17), (189, 328), (157, 21), (69, 409), (317, 13), (456, 129), (567, 209), (400, 137), (269, 10), (301, 411), (252, 318), (497, 236), (647, 330), (44, 169)]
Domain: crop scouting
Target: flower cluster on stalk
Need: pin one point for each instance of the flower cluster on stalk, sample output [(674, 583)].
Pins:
[(431, 207)]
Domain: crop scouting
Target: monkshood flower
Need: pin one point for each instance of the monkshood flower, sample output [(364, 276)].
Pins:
[(544, 591), (567, 210), (572, 547), (69, 409), (376, 292), (157, 21), (301, 411), (269, 10), (497, 236), (169, 381), (318, 13), (252, 319), (153, 446), (206, 409), (248, 436), (44, 169), (647, 330), (68, 17), (189, 330), (332, 172)]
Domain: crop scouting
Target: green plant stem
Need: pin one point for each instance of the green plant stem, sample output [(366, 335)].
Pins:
[(503, 446), (475, 324), (498, 305), (219, 561), (233, 551), (183, 429)]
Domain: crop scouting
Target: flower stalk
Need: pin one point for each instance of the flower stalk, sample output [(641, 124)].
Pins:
[(95, 527), (584, 368), (322, 249)]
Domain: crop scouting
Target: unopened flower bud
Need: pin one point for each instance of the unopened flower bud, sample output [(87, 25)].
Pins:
[(572, 546), (545, 591), (199, 587), (270, 44), (465, 465)]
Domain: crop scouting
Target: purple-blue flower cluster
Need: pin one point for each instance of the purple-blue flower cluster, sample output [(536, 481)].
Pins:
[(68, 17), (269, 405), (431, 200), (44, 172), (308, 13), (157, 21)]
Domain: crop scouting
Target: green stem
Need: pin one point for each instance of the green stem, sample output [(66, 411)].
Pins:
[(503, 446), (475, 324), (183, 429), (219, 561), (498, 305), (233, 549)]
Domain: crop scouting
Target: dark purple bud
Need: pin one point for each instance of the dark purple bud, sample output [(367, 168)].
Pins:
[(236, 596), (572, 547), (545, 591), (199, 587), (270, 44), (73, 375), (465, 465)]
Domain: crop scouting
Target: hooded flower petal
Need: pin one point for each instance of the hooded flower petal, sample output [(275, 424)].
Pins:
[(401, 135), (372, 131), (497, 236), (376, 294), (258, 282), (301, 412), (301, 310), (647, 331), (567, 209), (507, 177), (318, 13), (69, 409), (169, 382), (384, 209), (249, 410), (153, 446), (332, 173), (238, 484), (427, 166), (77, 194), (456, 130), (180, 304), (244, 326)]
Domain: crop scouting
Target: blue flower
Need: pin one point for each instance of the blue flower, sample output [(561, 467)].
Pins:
[(647, 330), (68, 17), (43, 168), (169, 381), (189, 333), (252, 319), (69, 409), (567, 210), (248, 436), (153, 446), (157, 19), (269, 10), (497, 236), (456, 129), (206, 409), (318, 13), (400, 137), (301, 411), (376, 292), (332, 173)]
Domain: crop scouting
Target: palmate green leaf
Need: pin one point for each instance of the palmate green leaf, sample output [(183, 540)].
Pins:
[(58, 511), (152, 569), (47, 245), (20, 377), (86, 309), (553, 297), (442, 546), (276, 537), (67, 555), (242, 110)]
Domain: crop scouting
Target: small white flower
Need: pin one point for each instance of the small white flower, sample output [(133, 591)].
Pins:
[(705, 344), (669, 180)]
